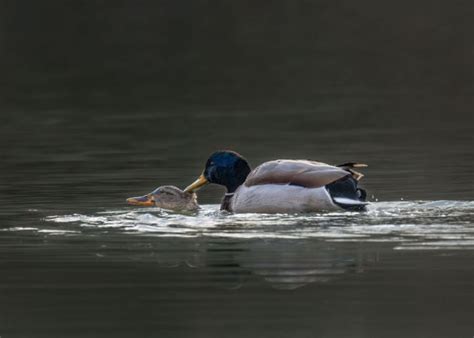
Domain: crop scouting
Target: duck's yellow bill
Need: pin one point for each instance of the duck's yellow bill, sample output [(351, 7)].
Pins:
[(196, 185), (145, 201)]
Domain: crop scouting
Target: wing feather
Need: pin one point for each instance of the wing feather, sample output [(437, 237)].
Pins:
[(310, 174)]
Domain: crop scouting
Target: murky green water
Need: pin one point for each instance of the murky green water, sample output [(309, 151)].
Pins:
[(105, 102), (77, 262)]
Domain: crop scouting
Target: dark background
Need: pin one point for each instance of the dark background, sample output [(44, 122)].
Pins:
[(139, 55)]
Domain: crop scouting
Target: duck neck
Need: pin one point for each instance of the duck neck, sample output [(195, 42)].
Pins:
[(237, 179), (232, 188), (226, 203)]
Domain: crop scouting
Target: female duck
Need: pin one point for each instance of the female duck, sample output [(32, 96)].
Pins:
[(167, 197), (282, 186)]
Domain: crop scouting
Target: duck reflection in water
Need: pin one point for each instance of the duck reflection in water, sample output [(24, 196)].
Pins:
[(285, 264)]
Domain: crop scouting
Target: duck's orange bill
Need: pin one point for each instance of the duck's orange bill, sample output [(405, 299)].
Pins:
[(145, 201), (196, 185)]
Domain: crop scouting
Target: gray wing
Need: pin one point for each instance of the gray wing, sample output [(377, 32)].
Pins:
[(304, 173)]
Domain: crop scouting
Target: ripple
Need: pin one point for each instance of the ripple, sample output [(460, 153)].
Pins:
[(411, 224)]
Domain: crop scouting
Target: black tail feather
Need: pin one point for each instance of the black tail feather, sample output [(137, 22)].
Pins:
[(347, 188)]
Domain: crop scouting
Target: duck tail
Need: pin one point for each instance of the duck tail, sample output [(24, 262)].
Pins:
[(349, 166), (352, 165), (346, 194)]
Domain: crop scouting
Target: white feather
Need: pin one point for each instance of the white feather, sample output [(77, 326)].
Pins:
[(278, 198), (348, 201)]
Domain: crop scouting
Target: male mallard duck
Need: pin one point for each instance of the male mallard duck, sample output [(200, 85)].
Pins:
[(282, 186), (167, 197)]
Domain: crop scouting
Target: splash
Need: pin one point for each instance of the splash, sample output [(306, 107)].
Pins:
[(411, 224)]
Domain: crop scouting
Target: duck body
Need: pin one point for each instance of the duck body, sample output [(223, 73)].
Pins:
[(277, 198), (283, 186)]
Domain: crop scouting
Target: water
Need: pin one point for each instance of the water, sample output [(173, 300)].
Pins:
[(104, 102), (78, 262), (145, 272), (413, 225)]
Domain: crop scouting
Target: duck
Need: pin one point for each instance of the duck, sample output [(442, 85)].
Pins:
[(167, 197), (282, 186)]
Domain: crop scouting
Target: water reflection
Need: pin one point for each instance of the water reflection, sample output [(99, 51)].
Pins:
[(151, 267), (284, 251), (235, 251), (285, 264), (290, 264)]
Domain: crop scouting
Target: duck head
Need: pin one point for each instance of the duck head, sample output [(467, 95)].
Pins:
[(226, 168), (167, 197)]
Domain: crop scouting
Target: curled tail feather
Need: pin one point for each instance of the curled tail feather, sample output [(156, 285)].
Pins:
[(349, 166)]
